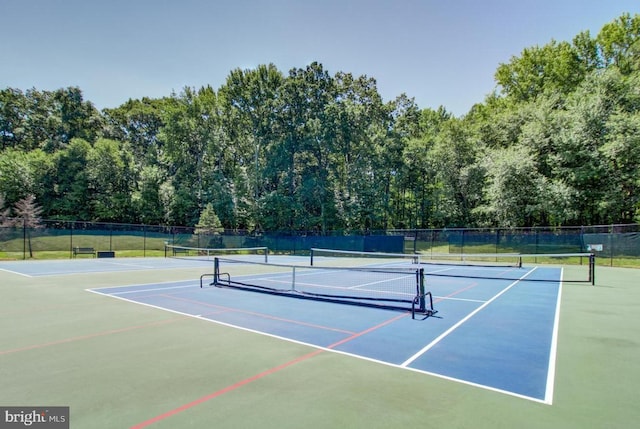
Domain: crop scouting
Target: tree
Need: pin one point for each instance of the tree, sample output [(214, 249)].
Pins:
[(209, 225), (111, 178), (619, 41), (582, 132), (418, 183), (554, 67), (359, 126), (71, 195), (12, 119), (458, 177), (75, 118), (27, 215), (621, 154), (4, 213), (247, 103), (139, 122), (588, 52), (197, 151), (17, 177), (302, 151), (514, 189), (48, 120), (147, 198)]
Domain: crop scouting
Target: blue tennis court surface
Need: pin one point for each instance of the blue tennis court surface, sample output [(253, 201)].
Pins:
[(492, 333), (92, 265)]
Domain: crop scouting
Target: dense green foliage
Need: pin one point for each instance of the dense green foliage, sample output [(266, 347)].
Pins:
[(557, 143)]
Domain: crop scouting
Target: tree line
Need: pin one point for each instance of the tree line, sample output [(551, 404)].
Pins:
[(556, 143)]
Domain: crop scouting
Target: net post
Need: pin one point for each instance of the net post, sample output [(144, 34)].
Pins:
[(293, 279), (216, 271), (311, 262), (592, 268), (421, 290), (266, 255), (430, 311)]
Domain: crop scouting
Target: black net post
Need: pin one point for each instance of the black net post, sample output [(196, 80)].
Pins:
[(421, 299), (421, 290), (216, 271)]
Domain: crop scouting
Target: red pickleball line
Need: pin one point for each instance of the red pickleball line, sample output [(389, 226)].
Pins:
[(259, 376), (253, 313), (223, 391), (89, 336)]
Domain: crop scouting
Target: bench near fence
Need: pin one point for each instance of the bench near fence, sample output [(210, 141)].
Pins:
[(84, 251)]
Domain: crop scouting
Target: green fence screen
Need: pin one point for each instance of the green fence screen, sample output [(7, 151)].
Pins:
[(55, 239)]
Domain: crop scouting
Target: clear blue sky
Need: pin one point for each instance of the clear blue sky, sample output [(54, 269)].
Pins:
[(441, 52)]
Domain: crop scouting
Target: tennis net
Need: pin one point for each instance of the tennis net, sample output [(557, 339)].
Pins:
[(388, 288), (254, 253), (503, 266), (332, 257)]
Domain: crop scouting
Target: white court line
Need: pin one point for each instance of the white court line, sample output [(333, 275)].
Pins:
[(457, 325), (142, 284), (450, 298), (151, 290), (105, 289), (15, 272), (380, 281), (102, 270), (551, 375), (129, 265), (441, 270)]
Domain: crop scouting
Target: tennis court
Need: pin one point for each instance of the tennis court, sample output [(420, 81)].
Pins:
[(139, 343)]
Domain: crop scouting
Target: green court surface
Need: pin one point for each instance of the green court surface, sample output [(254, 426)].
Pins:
[(123, 365)]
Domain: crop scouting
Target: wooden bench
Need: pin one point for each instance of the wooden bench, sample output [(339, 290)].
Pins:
[(84, 251)]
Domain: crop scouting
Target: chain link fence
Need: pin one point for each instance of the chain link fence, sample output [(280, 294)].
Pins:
[(614, 244), (611, 243)]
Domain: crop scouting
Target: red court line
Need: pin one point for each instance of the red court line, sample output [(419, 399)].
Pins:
[(89, 336), (36, 309), (223, 391), (252, 313), (366, 331), (259, 376), (454, 293)]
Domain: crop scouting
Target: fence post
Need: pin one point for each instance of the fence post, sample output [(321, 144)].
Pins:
[(71, 240), (611, 240), (24, 238), (432, 241), (462, 241)]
